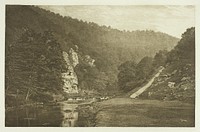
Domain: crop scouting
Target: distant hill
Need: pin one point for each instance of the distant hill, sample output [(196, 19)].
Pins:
[(108, 47)]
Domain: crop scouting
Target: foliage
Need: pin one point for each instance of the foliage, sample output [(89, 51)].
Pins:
[(126, 74), (185, 50), (160, 58), (144, 68), (34, 65), (109, 47), (183, 55), (91, 78), (180, 69), (132, 75)]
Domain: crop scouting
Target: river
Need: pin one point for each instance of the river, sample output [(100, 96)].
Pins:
[(60, 114)]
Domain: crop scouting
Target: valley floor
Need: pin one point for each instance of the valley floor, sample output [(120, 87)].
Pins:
[(126, 112)]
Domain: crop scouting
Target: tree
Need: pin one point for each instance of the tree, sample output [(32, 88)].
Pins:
[(144, 68), (186, 46), (185, 49), (160, 58), (127, 72), (34, 66)]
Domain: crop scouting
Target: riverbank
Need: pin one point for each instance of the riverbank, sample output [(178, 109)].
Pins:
[(125, 112)]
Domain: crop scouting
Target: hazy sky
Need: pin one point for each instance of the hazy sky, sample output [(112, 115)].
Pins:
[(173, 20)]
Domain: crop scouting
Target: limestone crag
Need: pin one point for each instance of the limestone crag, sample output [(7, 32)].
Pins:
[(89, 60), (69, 77), (73, 57)]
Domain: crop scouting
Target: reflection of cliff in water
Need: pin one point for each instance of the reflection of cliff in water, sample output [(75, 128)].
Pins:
[(70, 114), (49, 115)]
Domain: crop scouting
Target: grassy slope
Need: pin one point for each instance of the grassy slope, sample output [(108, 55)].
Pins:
[(125, 112)]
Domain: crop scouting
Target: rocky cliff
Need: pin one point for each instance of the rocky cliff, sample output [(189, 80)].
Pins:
[(69, 77)]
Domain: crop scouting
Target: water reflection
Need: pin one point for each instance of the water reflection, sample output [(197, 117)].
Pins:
[(29, 116), (32, 116), (49, 115), (70, 114)]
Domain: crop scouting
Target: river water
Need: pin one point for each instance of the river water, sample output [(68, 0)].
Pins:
[(60, 114)]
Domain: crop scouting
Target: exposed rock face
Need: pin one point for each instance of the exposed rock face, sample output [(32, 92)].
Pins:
[(69, 77), (89, 60), (172, 86), (73, 57)]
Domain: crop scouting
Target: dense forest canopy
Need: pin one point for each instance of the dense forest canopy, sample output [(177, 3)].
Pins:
[(28, 29), (34, 65)]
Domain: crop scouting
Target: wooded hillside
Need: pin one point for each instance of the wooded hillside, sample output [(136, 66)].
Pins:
[(26, 42)]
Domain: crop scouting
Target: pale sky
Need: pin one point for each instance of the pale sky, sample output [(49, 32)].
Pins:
[(173, 20)]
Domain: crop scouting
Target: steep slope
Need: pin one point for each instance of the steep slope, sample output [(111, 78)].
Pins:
[(177, 81), (146, 86), (103, 47)]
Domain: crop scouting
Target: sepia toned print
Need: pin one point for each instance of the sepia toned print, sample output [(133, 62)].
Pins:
[(100, 66)]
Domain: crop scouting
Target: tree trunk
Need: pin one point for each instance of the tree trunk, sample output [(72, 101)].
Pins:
[(27, 95)]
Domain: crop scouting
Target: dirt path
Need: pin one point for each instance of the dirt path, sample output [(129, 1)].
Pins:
[(142, 89)]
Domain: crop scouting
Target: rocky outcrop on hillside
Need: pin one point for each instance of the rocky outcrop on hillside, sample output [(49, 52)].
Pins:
[(73, 56), (89, 60), (175, 85), (69, 77)]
